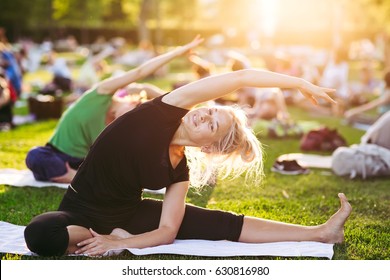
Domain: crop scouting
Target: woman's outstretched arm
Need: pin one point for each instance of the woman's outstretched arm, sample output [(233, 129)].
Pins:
[(383, 100), (171, 218), (219, 85), (111, 85)]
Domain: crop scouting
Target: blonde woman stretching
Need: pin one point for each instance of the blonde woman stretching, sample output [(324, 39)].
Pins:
[(167, 143)]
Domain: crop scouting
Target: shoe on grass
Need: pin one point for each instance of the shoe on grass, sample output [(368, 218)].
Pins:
[(289, 167)]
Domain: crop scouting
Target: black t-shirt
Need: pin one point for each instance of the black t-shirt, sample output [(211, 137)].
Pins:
[(132, 153)]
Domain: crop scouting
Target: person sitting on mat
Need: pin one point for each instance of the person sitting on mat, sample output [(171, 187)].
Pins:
[(166, 142), (382, 104), (80, 125)]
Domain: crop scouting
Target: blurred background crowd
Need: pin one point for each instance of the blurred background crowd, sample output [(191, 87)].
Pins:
[(52, 51)]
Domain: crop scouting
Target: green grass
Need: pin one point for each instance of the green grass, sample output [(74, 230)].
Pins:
[(311, 198), (304, 199)]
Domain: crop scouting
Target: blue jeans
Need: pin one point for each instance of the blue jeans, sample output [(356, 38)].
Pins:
[(47, 162)]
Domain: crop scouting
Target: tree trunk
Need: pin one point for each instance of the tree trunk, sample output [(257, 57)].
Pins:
[(143, 31)]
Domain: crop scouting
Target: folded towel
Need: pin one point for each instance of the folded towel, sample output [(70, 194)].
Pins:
[(12, 241), (25, 178)]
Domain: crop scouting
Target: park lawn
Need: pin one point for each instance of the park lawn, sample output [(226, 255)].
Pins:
[(303, 199)]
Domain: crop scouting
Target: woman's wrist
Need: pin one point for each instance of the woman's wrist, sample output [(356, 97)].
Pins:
[(121, 243), (180, 50), (301, 83)]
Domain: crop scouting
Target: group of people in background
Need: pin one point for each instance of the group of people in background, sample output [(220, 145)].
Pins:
[(354, 97), (333, 71), (11, 80), (92, 147)]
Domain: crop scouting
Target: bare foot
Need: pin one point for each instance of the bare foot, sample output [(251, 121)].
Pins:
[(333, 229)]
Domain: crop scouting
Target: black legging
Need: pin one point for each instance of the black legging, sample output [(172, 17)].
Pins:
[(47, 234)]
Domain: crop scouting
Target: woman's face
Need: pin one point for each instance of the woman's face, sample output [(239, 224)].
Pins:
[(205, 126)]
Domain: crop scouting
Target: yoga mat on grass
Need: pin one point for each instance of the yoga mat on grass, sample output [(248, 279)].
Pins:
[(25, 178), (309, 160), (12, 241)]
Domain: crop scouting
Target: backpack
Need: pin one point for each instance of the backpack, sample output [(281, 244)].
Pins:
[(322, 139), (363, 160)]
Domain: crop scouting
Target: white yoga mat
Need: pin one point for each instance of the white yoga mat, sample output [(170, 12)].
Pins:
[(309, 160), (25, 178), (12, 241)]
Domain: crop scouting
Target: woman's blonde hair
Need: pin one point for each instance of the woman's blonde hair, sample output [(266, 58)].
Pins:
[(237, 152)]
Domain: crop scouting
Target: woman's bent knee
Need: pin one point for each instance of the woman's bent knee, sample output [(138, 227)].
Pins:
[(46, 237), (44, 163)]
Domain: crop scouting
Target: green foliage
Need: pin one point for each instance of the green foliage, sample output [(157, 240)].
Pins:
[(91, 14), (369, 14), (362, 15)]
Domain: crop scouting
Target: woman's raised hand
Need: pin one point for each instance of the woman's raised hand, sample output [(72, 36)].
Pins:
[(312, 92), (194, 43)]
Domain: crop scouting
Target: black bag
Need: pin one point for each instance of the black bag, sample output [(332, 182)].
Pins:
[(45, 107)]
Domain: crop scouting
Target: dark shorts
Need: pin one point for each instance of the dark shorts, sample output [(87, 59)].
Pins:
[(47, 162), (47, 233)]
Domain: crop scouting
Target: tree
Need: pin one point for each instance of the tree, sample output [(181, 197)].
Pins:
[(144, 14), (14, 15)]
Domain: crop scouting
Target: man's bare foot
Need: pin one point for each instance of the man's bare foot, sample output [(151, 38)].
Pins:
[(333, 229)]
